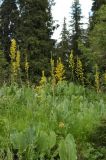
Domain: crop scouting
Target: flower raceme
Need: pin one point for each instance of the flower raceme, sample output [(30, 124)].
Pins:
[(43, 79), (15, 59), (61, 125), (79, 71), (97, 81), (13, 48), (71, 65), (59, 71)]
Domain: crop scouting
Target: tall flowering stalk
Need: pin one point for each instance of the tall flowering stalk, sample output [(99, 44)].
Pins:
[(53, 79), (27, 69), (52, 72), (43, 80), (71, 65), (79, 71), (59, 71), (15, 60), (13, 51), (42, 83), (18, 60), (97, 79), (52, 67)]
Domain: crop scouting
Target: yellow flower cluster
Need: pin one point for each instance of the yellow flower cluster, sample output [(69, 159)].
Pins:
[(18, 60), (71, 65), (15, 59), (27, 69), (13, 49), (61, 125), (97, 81), (79, 71), (43, 79), (59, 71)]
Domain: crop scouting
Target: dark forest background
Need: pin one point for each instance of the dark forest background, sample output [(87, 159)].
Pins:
[(31, 24)]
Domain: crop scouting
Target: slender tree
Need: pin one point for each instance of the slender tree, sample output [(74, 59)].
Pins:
[(8, 24), (63, 47), (75, 26)]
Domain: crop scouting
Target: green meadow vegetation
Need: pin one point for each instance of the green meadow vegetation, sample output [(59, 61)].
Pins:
[(47, 125), (52, 93)]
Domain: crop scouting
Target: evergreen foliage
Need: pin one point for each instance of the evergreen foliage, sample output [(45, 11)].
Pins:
[(8, 24), (75, 25), (63, 48), (34, 34), (98, 38), (96, 5)]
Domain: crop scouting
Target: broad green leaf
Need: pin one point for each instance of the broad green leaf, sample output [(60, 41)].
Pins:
[(67, 148), (43, 143), (52, 139)]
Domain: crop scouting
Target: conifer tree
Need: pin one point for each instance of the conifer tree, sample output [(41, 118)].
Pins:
[(34, 34), (63, 47), (75, 26), (96, 5), (8, 24), (97, 37)]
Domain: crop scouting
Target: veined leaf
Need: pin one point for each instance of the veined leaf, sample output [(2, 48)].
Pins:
[(67, 148)]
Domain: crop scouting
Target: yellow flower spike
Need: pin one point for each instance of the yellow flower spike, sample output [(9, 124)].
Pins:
[(43, 79), (79, 71), (13, 49), (61, 125), (14, 68), (97, 79), (27, 69), (18, 60), (71, 65), (59, 71)]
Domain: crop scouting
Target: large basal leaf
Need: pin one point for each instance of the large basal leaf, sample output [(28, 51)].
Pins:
[(67, 148), (52, 139), (43, 142), (23, 139), (46, 141)]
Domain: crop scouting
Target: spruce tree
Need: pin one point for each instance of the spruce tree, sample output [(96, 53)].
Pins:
[(34, 34), (8, 24), (75, 26), (63, 47), (96, 5), (97, 37)]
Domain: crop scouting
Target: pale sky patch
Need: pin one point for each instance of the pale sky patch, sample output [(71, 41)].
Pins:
[(62, 9)]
